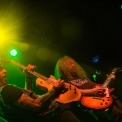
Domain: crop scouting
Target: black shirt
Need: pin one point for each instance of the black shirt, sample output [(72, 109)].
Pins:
[(10, 110)]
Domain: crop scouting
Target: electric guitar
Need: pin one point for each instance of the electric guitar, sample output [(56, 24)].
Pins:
[(71, 94), (100, 102)]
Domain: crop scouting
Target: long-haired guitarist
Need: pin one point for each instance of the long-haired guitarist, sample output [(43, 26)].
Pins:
[(69, 70)]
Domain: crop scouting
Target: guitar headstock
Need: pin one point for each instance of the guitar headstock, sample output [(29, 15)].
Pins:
[(112, 74), (116, 69)]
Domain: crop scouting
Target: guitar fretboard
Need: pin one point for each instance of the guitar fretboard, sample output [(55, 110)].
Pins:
[(109, 77), (31, 72)]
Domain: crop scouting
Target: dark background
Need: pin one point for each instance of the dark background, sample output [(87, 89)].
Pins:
[(51, 29), (81, 29)]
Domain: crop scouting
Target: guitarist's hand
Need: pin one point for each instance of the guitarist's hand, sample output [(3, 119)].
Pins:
[(58, 85), (29, 68), (99, 92)]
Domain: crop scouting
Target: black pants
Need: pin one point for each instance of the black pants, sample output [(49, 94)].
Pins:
[(67, 116)]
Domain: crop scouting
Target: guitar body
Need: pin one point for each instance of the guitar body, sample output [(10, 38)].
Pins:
[(42, 83), (101, 102), (96, 102), (71, 94)]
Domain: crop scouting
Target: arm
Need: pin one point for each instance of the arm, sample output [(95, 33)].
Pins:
[(98, 92), (41, 102), (34, 101), (29, 83), (37, 102), (29, 77)]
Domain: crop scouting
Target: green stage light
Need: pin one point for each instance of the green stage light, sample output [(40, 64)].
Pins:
[(94, 76), (13, 52)]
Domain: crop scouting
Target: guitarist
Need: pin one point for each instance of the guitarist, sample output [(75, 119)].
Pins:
[(69, 70), (22, 105)]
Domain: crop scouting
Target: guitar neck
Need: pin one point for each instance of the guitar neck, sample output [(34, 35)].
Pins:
[(109, 77), (31, 72)]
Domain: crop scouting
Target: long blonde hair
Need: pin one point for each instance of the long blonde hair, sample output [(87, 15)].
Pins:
[(68, 69)]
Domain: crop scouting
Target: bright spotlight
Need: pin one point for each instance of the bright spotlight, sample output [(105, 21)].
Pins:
[(13, 52)]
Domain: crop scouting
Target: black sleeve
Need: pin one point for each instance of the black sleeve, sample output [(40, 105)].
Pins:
[(10, 94)]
